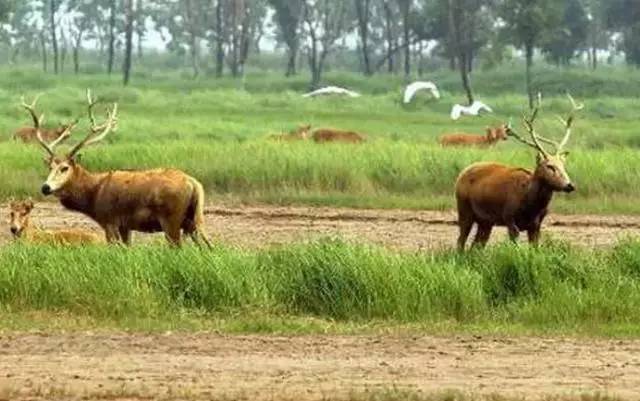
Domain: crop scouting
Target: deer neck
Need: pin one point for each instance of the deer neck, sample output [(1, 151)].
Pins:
[(79, 193), (538, 196)]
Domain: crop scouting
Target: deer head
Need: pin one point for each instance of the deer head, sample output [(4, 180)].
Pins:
[(62, 169), (19, 217), (550, 167)]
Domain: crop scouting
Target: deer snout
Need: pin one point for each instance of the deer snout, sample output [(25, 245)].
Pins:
[(569, 188), (15, 230), (46, 189)]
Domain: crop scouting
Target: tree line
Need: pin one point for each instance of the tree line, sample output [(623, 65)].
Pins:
[(388, 35)]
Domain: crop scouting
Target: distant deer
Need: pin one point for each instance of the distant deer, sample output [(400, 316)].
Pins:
[(332, 135), (493, 136), (21, 229), (28, 134), (301, 133), (492, 194), (161, 200)]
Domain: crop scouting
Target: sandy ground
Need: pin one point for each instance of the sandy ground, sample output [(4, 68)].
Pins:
[(206, 366), (400, 229)]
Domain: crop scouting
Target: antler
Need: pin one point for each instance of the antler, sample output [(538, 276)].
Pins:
[(37, 122), (96, 132), (529, 125), (575, 107)]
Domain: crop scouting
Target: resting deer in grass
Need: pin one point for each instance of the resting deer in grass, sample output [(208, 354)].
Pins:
[(161, 200), (299, 134), (492, 194), (21, 229), (28, 134), (332, 135), (493, 136)]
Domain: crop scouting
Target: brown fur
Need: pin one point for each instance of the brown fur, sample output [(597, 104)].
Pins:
[(492, 194), (28, 134), (301, 133), (166, 201), (325, 135), (21, 229), (493, 136)]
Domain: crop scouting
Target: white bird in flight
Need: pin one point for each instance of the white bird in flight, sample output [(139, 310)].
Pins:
[(416, 87), (458, 110), (332, 90)]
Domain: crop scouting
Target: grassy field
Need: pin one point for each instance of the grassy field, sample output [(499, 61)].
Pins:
[(217, 132), (329, 286)]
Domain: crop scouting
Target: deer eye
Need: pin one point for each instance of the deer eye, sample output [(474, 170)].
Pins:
[(551, 168), (64, 169)]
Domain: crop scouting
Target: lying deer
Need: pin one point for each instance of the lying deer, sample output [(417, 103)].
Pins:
[(493, 136), (21, 229), (325, 135), (301, 133), (160, 200), (492, 194), (29, 135)]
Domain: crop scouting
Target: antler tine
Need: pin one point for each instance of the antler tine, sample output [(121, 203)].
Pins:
[(575, 107), (529, 125), (103, 130), (513, 134), (91, 102), (37, 122)]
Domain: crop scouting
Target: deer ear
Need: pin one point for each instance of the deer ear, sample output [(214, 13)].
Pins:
[(29, 204), (76, 159), (565, 154)]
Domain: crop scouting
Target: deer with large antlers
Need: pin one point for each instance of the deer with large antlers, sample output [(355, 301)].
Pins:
[(161, 200), (492, 194)]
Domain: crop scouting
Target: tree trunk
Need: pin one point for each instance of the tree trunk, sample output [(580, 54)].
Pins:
[(140, 28), (63, 49), (76, 52), (291, 64), (389, 35), (407, 49), (421, 59), (463, 65), (193, 47), (128, 31), (52, 27), (529, 62), (594, 57), (363, 12), (43, 48), (219, 40), (112, 36), (313, 63)]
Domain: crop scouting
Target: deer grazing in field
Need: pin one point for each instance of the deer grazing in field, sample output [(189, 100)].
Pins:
[(325, 135), (492, 194), (493, 136), (29, 135), (161, 200), (21, 229), (299, 134)]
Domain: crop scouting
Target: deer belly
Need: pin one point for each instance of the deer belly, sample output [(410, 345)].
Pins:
[(145, 220)]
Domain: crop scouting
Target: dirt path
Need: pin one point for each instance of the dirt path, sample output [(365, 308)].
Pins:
[(308, 368), (258, 226)]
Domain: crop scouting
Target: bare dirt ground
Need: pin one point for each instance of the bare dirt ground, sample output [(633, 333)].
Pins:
[(207, 366), (400, 229)]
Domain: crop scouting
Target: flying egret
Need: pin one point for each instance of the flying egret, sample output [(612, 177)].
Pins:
[(458, 110), (332, 90), (418, 86)]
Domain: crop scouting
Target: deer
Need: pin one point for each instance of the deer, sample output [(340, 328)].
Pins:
[(21, 229), (491, 194), (28, 134), (492, 137), (122, 201), (301, 133), (325, 135)]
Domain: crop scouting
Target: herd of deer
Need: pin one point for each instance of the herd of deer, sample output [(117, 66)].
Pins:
[(170, 201)]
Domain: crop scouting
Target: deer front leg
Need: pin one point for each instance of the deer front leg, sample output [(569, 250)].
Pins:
[(112, 234)]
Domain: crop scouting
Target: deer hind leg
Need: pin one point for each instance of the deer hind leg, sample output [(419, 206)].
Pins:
[(483, 234), (172, 231), (125, 235), (112, 234), (534, 235)]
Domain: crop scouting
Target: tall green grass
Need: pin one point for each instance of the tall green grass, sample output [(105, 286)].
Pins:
[(217, 132), (556, 286)]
